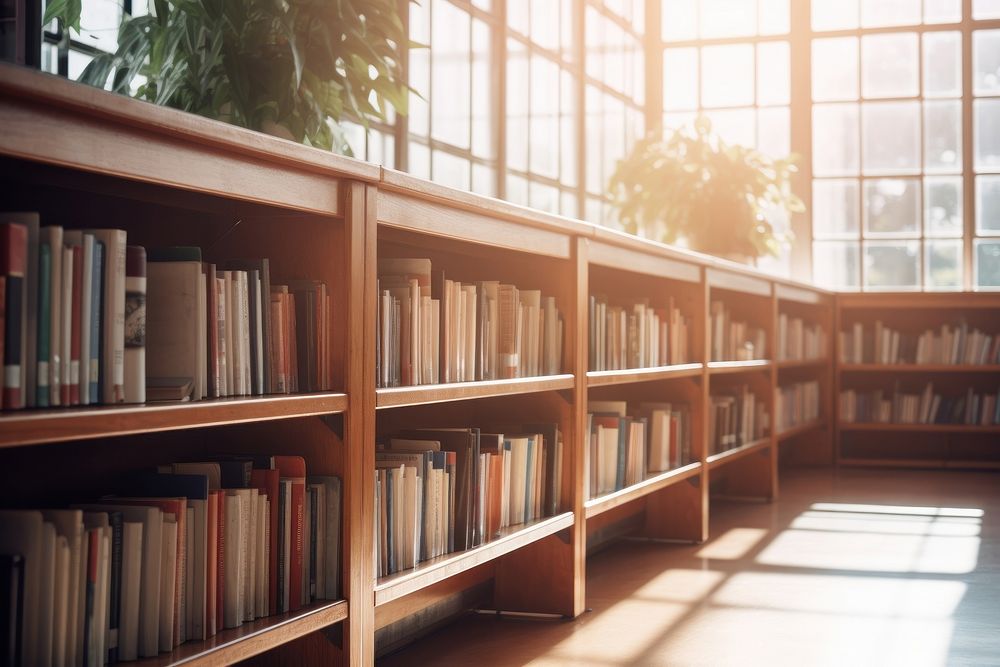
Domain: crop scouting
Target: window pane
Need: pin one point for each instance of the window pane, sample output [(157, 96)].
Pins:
[(484, 180), (544, 130), (728, 18), (567, 204), (942, 64), (594, 131), (835, 208), (834, 14), (680, 79), (734, 126), (76, 63), (890, 137), (772, 131), (986, 62), (877, 13), (943, 265), (942, 11), (545, 24), (892, 207), (99, 22), (450, 68), (452, 170), (517, 190), (986, 9), (891, 265), (482, 102), (518, 79), (889, 65), (988, 263), (727, 75), (773, 75), (835, 69), (773, 16), (680, 19), (988, 205), (614, 137), (420, 71), (835, 264), (419, 160), (567, 131), (943, 137), (943, 206), (543, 197), (987, 133), (835, 147), (518, 13)]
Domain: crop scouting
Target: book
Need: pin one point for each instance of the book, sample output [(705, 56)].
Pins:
[(113, 316), (11, 609), (13, 266), (172, 339), (135, 324)]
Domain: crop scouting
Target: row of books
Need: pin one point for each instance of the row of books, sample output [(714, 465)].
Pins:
[(958, 344), (927, 407), (443, 490), (797, 404), (732, 340), (89, 319), (737, 418), (179, 554), (626, 445), (636, 335), (433, 329), (798, 340)]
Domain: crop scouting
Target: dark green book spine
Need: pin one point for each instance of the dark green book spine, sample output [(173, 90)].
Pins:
[(44, 324)]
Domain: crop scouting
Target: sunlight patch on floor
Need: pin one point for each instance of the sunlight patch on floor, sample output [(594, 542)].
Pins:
[(884, 523), (900, 509), (734, 544)]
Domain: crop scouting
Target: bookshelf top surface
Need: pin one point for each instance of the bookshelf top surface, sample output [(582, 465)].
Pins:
[(395, 397), (86, 101)]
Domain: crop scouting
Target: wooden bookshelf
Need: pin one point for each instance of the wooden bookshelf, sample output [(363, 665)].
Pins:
[(932, 445), (172, 178), (796, 431)]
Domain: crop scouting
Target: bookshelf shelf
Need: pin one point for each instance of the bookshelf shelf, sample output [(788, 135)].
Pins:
[(32, 427), (928, 428), (920, 368), (730, 367), (722, 458), (250, 639), (632, 375), (803, 363), (653, 484), (794, 431), (921, 463), (395, 397), (438, 569)]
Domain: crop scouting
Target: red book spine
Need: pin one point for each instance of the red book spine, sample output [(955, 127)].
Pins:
[(13, 264), (74, 387), (220, 568), (293, 468)]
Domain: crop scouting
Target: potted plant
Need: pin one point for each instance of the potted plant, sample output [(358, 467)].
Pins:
[(293, 68), (694, 188)]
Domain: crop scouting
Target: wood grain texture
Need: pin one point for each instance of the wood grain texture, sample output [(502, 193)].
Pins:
[(647, 487), (394, 397), (632, 375), (654, 264)]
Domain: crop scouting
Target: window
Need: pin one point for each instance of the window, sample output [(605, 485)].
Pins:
[(614, 96), (543, 73), (730, 60)]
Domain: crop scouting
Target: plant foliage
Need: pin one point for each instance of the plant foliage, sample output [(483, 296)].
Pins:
[(693, 186), (289, 67)]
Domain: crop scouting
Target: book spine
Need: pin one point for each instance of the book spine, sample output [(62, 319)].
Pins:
[(77, 300), (86, 313), (55, 241), (114, 612), (297, 535), (96, 321), (135, 324), (44, 324), (13, 263), (113, 348)]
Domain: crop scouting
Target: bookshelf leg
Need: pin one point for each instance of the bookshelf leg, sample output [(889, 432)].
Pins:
[(678, 512), (755, 476), (540, 578)]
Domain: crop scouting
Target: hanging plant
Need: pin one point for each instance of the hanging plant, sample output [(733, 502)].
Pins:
[(295, 68), (693, 187)]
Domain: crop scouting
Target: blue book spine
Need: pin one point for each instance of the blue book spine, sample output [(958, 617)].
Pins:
[(96, 311)]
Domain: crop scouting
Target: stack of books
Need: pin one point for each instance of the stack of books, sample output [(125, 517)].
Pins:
[(732, 340), (626, 445), (950, 345), (927, 407), (737, 418), (179, 554), (88, 319), (443, 490), (797, 404), (798, 340), (636, 335), (432, 329)]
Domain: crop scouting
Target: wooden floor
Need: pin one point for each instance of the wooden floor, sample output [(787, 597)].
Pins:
[(855, 567)]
